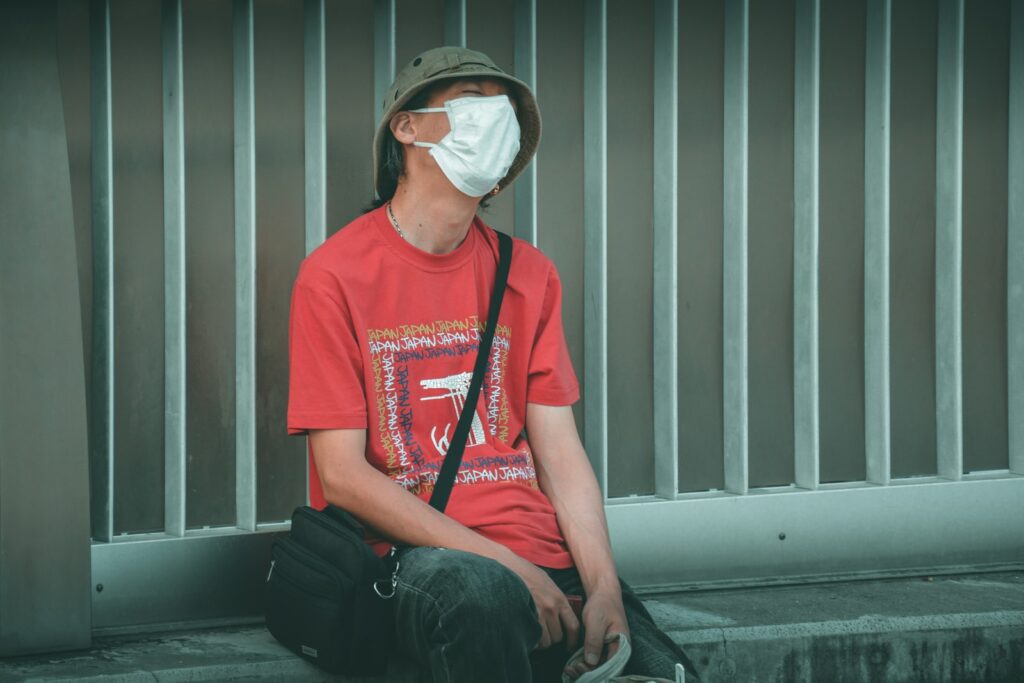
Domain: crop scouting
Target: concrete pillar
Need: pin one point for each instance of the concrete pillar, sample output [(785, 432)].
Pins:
[(44, 472)]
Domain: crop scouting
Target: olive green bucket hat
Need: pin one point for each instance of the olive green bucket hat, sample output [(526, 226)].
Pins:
[(442, 63)]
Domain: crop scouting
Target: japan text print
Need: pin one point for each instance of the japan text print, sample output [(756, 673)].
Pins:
[(454, 387)]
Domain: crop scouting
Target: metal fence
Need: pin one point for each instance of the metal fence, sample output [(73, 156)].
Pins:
[(792, 244)]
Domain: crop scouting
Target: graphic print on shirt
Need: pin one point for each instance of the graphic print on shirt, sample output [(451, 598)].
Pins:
[(455, 388), (421, 375)]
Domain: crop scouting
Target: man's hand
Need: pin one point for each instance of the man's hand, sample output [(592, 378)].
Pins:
[(557, 620), (603, 618)]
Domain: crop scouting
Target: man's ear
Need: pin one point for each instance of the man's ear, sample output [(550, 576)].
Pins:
[(403, 128)]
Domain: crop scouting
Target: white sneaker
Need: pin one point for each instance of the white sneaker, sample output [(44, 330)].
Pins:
[(610, 670)]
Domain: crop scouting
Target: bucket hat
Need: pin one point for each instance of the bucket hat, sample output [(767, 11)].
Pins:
[(446, 62)]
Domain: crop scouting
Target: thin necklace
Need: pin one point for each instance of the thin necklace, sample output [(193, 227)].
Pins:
[(394, 222)]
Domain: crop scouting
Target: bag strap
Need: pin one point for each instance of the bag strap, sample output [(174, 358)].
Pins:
[(453, 458)]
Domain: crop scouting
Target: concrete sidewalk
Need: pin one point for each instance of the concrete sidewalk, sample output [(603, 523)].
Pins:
[(951, 628)]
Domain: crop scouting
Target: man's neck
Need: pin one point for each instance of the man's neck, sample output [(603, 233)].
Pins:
[(434, 219)]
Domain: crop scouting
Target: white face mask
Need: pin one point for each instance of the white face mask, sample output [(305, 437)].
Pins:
[(482, 144)]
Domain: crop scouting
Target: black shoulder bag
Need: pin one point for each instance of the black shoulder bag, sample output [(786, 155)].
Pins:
[(328, 594)]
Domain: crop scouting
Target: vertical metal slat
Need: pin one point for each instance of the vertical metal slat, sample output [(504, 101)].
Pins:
[(877, 70), (734, 248), (1015, 242), (805, 243), (455, 22), (245, 268), (666, 174), (174, 272), (948, 240), (315, 81), (383, 53), (595, 236), (102, 418), (525, 63)]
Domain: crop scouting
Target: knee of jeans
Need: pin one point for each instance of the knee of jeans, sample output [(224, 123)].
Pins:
[(478, 588)]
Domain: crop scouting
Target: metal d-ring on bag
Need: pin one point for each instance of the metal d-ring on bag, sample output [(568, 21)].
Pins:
[(328, 593)]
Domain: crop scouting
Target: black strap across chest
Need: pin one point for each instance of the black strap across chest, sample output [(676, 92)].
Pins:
[(453, 458)]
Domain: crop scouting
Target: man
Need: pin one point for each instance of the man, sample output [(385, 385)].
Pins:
[(385, 323)]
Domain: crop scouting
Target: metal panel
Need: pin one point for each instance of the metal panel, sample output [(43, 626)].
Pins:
[(595, 236), (560, 59), (419, 26), (805, 242), (158, 582), (949, 240), (876, 240), (101, 437), (349, 41), (44, 449), (282, 476), (798, 535), (525, 68), (985, 144), (841, 271), (315, 82), (209, 259), (912, 239), (666, 248), (455, 22), (280, 246), (174, 272), (139, 297), (383, 53), (734, 247), (630, 248), (769, 237), (245, 268), (1015, 242), (701, 162)]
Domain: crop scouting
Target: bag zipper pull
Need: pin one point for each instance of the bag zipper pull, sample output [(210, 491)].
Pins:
[(272, 562)]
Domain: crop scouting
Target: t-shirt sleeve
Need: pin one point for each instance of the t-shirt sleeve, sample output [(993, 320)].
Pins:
[(551, 379), (325, 382)]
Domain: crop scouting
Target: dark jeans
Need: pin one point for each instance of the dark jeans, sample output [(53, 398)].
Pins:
[(464, 617)]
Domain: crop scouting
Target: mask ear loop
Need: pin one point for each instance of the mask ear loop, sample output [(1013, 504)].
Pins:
[(427, 110)]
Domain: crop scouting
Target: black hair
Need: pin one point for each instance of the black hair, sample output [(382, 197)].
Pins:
[(392, 158)]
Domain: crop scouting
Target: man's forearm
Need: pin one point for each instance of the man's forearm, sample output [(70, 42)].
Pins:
[(580, 511), (566, 477)]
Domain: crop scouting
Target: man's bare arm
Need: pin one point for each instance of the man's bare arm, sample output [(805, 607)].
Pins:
[(565, 475), (353, 484)]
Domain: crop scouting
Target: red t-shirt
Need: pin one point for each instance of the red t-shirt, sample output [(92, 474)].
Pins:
[(383, 337)]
